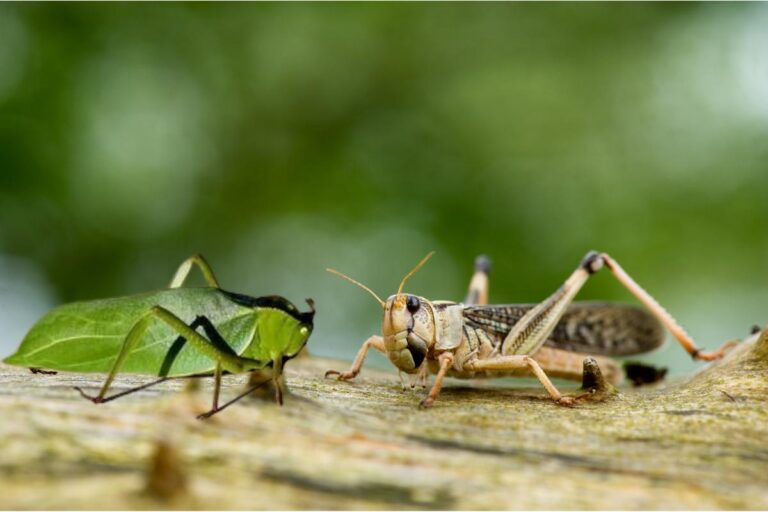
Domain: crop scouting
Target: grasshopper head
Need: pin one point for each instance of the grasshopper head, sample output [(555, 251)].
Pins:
[(408, 329), (408, 326)]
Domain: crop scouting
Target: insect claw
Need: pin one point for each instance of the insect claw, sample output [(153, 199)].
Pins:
[(95, 399), (341, 376), (427, 403), (567, 401), (207, 415)]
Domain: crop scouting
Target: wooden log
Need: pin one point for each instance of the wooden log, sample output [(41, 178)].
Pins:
[(697, 444)]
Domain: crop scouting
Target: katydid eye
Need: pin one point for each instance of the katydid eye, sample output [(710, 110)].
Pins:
[(412, 303)]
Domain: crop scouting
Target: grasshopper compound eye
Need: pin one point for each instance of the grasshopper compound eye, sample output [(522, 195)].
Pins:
[(412, 303)]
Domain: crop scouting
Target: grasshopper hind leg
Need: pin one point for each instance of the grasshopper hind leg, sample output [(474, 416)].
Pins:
[(478, 285), (536, 326)]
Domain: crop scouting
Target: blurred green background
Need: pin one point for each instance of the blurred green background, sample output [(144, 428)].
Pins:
[(279, 139)]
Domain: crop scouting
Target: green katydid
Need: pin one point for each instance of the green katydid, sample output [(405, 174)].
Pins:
[(157, 334)]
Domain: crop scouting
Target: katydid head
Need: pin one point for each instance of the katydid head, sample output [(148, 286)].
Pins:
[(408, 326), (280, 329)]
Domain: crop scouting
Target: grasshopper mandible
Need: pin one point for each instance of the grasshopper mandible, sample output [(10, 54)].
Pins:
[(473, 339)]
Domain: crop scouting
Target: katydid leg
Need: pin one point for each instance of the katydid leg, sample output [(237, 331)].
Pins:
[(376, 342), (224, 360), (238, 397), (216, 386), (139, 388), (184, 269)]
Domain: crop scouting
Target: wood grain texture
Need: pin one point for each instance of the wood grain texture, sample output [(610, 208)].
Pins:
[(697, 444)]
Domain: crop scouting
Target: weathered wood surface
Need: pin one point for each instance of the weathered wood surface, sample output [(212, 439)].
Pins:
[(699, 444)]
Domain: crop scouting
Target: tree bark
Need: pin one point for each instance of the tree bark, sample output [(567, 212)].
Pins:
[(697, 444)]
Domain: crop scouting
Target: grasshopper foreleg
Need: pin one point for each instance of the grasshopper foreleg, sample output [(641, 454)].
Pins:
[(376, 342), (446, 360)]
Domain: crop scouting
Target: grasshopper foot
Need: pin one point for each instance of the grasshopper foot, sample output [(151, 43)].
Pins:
[(427, 403), (207, 415), (567, 401), (341, 375), (715, 354), (95, 399)]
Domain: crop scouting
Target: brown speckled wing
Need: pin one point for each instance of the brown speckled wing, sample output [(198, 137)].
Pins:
[(590, 327)]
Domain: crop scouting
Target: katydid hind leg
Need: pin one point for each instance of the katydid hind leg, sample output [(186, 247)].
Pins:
[(227, 360), (186, 267), (137, 388)]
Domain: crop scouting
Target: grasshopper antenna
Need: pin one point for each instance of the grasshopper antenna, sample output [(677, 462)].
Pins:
[(415, 269), (361, 285)]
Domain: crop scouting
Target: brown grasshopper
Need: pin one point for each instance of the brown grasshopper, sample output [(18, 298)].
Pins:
[(473, 340)]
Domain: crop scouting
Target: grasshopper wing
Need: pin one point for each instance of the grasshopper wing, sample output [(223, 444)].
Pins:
[(590, 327)]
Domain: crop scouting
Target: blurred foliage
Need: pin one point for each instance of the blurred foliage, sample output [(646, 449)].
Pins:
[(278, 139)]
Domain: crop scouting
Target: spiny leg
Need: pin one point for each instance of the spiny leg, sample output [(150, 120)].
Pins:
[(533, 329), (228, 361), (478, 286), (512, 363), (664, 317), (138, 388), (183, 272), (376, 342), (446, 360)]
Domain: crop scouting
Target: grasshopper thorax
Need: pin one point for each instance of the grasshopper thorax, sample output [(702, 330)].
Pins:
[(408, 329)]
